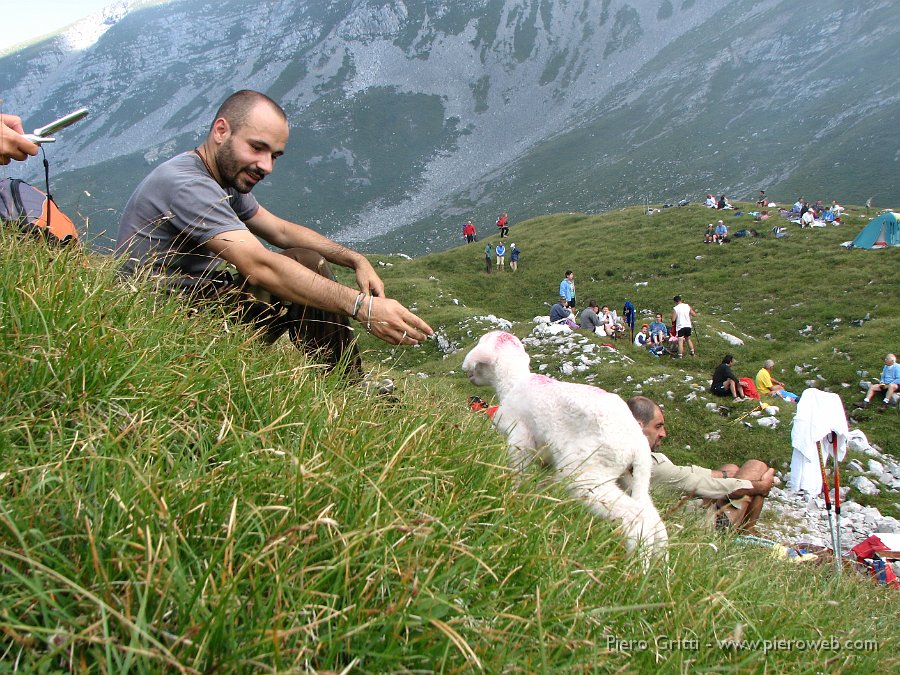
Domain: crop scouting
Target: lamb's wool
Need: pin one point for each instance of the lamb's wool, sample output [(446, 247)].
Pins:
[(587, 434)]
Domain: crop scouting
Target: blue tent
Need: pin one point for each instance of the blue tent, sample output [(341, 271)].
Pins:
[(881, 232)]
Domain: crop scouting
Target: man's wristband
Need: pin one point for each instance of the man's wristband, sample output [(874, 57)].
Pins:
[(357, 304)]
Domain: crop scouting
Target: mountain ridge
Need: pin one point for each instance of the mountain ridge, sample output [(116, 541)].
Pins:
[(410, 117)]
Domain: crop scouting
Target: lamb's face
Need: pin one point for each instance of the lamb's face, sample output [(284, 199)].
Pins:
[(494, 350)]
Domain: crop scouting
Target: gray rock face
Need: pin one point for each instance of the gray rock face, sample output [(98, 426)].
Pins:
[(423, 111)]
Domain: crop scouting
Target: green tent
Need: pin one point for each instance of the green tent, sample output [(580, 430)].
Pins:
[(881, 232)]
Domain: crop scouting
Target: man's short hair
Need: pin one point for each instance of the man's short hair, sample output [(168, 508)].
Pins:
[(728, 358), (592, 303), (676, 299), (643, 409), (568, 272), (769, 364), (236, 108)]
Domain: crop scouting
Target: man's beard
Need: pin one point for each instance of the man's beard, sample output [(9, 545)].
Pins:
[(230, 169)]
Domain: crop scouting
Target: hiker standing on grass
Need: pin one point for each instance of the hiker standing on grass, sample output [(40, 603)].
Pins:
[(501, 255), (739, 491), (195, 211), (567, 288), (13, 144), (503, 225), (488, 260), (681, 315), (469, 233), (514, 254)]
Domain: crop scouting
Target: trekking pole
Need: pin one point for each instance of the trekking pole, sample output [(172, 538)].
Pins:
[(759, 406), (827, 496), (837, 504)]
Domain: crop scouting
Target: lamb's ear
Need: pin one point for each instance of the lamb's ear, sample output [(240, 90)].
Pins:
[(482, 353)]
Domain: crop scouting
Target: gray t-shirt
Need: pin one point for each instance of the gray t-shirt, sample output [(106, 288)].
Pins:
[(589, 319), (174, 211)]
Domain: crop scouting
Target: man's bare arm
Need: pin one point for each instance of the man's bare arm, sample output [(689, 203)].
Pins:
[(288, 280), (285, 234)]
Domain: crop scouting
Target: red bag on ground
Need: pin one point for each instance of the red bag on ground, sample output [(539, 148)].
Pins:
[(868, 547), (749, 388)]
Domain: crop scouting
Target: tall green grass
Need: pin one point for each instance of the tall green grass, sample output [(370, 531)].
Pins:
[(175, 496)]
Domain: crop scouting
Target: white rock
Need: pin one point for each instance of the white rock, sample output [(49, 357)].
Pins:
[(864, 485), (856, 440), (876, 467), (770, 422), (731, 339), (550, 329), (714, 436), (887, 524)]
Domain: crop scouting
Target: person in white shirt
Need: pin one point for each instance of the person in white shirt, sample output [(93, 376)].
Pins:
[(681, 315), (642, 338)]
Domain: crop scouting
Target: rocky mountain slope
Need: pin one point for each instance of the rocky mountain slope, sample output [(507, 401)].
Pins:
[(409, 116)]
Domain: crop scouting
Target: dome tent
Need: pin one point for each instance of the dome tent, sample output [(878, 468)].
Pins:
[(881, 232)]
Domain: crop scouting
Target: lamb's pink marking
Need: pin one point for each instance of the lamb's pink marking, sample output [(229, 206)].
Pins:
[(542, 379), (507, 338)]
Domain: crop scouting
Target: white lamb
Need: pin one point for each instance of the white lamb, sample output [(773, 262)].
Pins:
[(587, 434)]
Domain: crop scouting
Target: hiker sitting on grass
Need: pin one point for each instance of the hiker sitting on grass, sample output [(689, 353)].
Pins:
[(765, 383), (721, 232), (659, 331), (642, 337), (888, 385), (561, 314), (725, 382), (195, 211), (738, 492), (610, 322), (590, 318)]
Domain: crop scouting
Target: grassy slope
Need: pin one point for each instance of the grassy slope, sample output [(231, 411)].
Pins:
[(174, 495)]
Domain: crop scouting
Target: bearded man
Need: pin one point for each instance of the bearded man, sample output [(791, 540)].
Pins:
[(195, 213)]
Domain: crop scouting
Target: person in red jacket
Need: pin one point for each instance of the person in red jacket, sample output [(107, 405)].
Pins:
[(503, 225), (469, 233)]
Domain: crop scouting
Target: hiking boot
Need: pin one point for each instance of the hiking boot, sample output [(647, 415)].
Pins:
[(883, 407), (862, 404)]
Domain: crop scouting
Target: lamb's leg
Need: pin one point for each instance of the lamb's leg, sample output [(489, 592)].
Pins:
[(640, 520), (520, 444)]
